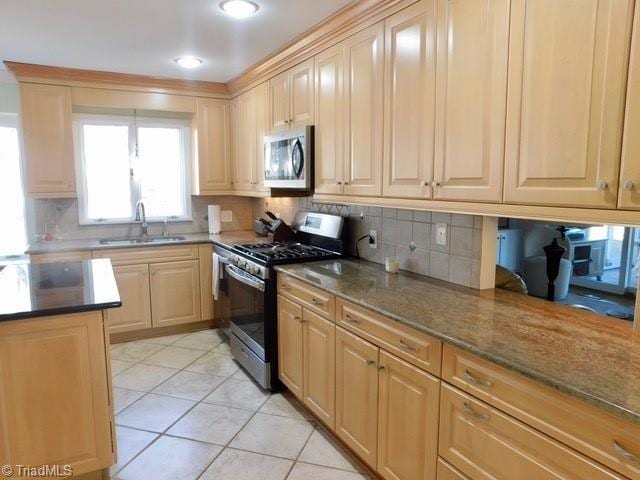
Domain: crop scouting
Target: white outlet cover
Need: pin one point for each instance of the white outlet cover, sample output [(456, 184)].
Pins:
[(441, 233), (226, 216)]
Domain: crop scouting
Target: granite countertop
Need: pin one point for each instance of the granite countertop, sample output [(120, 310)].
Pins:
[(224, 238), (28, 290), (593, 358)]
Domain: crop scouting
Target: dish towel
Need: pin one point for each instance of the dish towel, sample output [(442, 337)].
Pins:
[(216, 275)]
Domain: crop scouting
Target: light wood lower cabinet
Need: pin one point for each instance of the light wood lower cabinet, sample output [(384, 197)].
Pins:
[(319, 366), (76, 256), (135, 313), (290, 345), (357, 395), (447, 472), (484, 443), (55, 394), (175, 293), (407, 421)]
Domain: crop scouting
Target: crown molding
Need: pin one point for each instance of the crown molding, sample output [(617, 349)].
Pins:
[(80, 77)]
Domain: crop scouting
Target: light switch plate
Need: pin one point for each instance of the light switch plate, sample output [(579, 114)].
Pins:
[(226, 216), (441, 233)]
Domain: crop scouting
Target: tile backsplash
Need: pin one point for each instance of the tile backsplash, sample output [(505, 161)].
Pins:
[(63, 213), (409, 235)]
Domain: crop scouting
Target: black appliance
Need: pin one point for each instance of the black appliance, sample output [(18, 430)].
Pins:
[(248, 289)]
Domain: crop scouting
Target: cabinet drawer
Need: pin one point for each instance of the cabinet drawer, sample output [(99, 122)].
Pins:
[(484, 443), (414, 346), (447, 472), (74, 256), (587, 429), (315, 299), (132, 256)]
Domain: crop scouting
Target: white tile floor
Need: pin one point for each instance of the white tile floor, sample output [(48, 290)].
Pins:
[(186, 411)]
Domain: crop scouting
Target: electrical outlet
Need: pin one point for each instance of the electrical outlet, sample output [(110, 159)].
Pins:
[(226, 216), (373, 239), (441, 233)]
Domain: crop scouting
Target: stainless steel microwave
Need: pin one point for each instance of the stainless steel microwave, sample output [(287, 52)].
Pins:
[(288, 159)]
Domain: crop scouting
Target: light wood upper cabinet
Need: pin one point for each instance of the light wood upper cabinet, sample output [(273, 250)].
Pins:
[(410, 37), (135, 313), (408, 415), (55, 395), (567, 77), (319, 366), (261, 112), (363, 94), (291, 97), (629, 195), (245, 142), (47, 140), (357, 395), (301, 104), (175, 293), (290, 345), (472, 57), (329, 127), (279, 94), (212, 165)]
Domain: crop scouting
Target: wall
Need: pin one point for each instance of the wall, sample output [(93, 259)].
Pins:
[(64, 213), (408, 235)]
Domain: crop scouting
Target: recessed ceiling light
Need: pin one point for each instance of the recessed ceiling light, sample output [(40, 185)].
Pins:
[(188, 62), (239, 8)]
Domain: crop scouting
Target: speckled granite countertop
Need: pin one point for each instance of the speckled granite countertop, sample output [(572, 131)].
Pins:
[(590, 357), (224, 238)]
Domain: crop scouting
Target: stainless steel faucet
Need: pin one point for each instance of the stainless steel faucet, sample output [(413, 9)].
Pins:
[(144, 225)]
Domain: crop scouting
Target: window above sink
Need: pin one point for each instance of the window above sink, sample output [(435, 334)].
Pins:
[(122, 159)]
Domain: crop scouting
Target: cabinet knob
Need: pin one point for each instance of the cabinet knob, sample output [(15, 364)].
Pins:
[(286, 121), (602, 185), (346, 183), (435, 184), (423, 184), (371, 362), (628, 185), (338, 183)]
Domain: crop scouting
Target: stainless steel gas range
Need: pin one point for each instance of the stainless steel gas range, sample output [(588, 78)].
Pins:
[(248, 297)]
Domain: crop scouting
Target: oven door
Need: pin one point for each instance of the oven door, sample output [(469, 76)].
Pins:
[(246, 308)]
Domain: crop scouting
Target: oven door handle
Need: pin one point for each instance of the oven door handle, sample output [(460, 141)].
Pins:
[(240, 276)]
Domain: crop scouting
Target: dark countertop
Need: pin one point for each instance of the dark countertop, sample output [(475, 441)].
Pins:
[(592, 358), (224, 238), (30, 290)]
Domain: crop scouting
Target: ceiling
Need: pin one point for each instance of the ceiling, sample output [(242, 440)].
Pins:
[(144, 36)]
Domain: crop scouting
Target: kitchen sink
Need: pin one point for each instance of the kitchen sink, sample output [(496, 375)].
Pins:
[(140, 240)]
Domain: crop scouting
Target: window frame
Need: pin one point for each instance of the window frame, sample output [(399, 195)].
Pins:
[(12, 120), (132, 123)]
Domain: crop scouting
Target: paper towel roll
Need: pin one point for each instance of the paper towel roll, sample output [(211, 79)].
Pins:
[(214, 218)]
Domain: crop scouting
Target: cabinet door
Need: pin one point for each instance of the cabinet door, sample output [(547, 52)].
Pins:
[(364, 90), (407, 421), (212, 166), (567, 76), (55, 395), (279, 97), (301, 106), (357, 395), (175, 293), (629, 195), (290, 345), (135, 312), (329, 127), (472, 54), (319, 366), (245, 143), (410, 101), (261, 109), (47, 140)]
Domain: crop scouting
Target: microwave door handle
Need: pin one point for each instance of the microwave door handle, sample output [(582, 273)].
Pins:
[(234, 273)]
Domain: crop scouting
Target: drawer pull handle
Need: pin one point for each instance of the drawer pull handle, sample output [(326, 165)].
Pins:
[(371, 362), (483, 383), (283, 286), (406, 346), (315, 301), (624, 453), (299, 319), (347, 318), (480, 416)]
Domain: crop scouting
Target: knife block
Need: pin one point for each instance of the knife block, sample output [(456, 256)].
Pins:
[(281, 232)]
